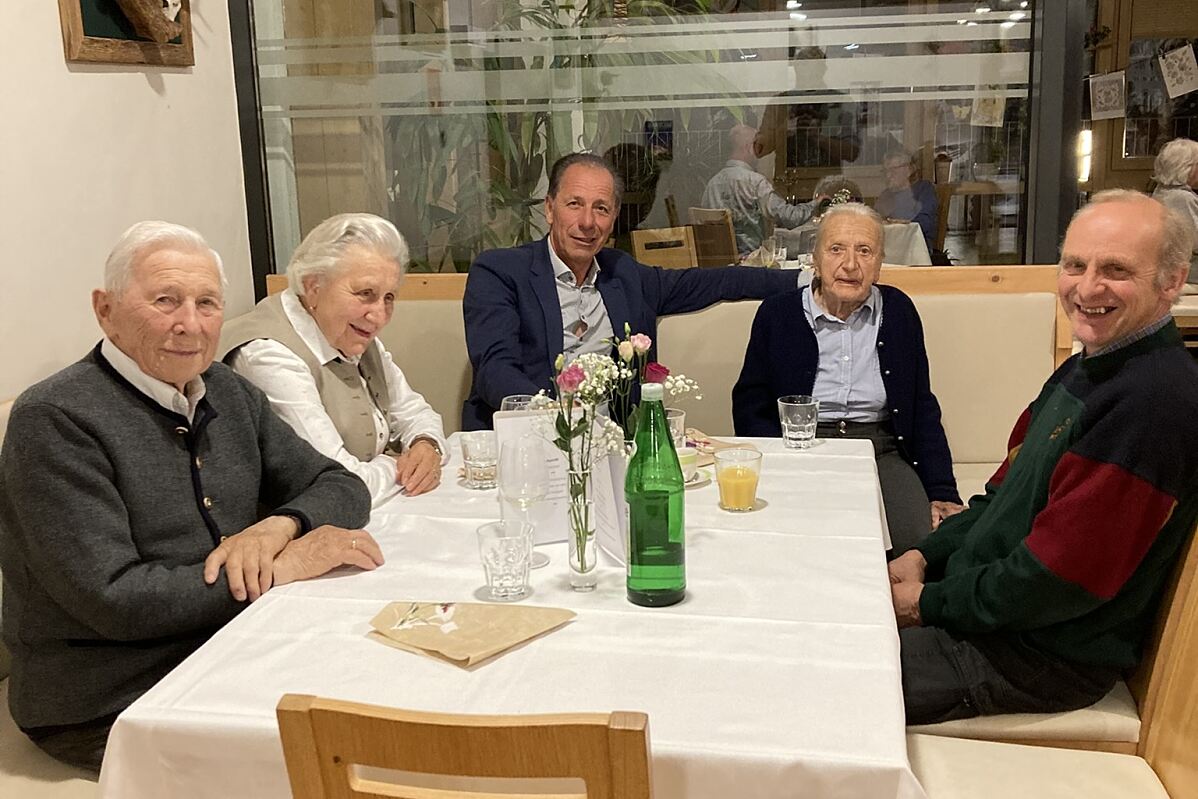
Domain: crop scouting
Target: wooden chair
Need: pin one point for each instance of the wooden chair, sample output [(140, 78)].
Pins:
[(671, 211), (325, 742), (944, 198), (715, 238), (667, 247), (1139, 704), (276, 283), (1165, 765)]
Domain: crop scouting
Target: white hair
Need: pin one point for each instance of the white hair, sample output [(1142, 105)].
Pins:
[(852, 209), (146, 238), (1177, 236), (1175, 163), (323, 250)]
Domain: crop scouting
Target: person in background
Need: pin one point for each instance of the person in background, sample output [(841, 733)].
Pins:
[(567, 294), (1176, 174), (145, 494), (858, 348), (749, 195), (908, 199), (1040, 595), (314, 350)]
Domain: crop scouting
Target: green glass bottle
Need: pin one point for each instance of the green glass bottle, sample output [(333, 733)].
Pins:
[(653, 489)]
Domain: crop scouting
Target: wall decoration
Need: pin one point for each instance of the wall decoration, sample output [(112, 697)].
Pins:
[(988, 109), (1180, 71), (127, 31), (1107, 97)]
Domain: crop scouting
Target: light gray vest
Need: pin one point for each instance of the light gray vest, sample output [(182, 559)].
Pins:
[(337, 381)]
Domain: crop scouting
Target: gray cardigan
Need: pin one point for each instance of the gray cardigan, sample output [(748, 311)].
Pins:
[(109, 504)]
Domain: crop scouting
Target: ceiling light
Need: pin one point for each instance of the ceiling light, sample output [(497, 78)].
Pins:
[(852, 46), (1017, 15), (973, 24), (798, 16), (1007, 24), (793, 4), (982, 10)]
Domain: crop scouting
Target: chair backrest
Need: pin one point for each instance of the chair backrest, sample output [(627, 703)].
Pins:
[(1163, 683), (325, 742), (671, 211), (668, 247), (715, 238), (944, 197), (1172, 736), (275, 283)]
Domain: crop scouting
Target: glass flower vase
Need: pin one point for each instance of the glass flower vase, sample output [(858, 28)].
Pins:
[(581, 534)]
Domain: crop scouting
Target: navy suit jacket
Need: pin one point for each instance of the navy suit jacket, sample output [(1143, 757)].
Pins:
[(783, 356), (514, 321)]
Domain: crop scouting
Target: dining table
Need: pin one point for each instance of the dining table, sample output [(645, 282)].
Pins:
[(904, 243), (776, 676)]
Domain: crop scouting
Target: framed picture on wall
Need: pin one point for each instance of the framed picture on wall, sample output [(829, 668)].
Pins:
[(127, 31)]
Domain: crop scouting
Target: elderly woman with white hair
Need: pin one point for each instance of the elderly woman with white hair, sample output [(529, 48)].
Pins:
[(314, 350), (1176, 175)]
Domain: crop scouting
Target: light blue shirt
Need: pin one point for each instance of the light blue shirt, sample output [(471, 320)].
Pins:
[(585, 324), (848, 382)]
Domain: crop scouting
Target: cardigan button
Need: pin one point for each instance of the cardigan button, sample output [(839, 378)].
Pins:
[(886, 372), (914, 463), (207, 502), (900, 438), (181, 431)]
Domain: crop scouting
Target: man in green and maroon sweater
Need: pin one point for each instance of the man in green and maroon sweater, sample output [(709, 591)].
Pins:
[(1038, 596)]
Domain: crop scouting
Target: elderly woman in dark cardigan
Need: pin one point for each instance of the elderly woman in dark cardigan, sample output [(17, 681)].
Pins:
[(858, 348)]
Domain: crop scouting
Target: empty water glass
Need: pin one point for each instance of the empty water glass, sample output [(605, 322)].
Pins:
[(515, 402), (480, 452), (799, 415), (504, 548), (676, 418)]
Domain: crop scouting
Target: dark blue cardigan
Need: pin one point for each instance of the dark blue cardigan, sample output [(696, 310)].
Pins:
[(782, 358)]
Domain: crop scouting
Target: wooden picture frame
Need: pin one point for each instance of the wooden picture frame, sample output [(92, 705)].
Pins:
[(81, 44)]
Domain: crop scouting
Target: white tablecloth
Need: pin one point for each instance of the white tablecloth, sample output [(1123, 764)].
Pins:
[(778, 676), (905, 244)]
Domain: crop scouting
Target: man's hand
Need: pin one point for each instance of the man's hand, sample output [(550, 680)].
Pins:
[(323, 550), (942, 510), (248, 557), (908, 567), (418, 468), (906, 603)]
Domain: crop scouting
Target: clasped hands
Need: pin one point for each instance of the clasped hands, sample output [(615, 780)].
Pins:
[(906, 584), (268, 553)]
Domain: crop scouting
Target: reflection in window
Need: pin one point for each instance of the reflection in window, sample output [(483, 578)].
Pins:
[(445, 116), (1152, 118)]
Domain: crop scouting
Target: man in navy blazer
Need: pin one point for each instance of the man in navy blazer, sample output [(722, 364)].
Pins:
[(565, 293)]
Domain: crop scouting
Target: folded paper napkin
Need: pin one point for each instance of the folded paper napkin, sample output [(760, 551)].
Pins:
[(464, 633), (708, 446)]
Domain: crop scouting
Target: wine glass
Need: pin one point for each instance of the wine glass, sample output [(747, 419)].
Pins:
[(524, 480)]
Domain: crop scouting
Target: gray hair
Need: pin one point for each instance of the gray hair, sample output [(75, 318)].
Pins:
[(852, 209), (847, 209), (322, 252), (146, 238), (558, 171), (1177, 236), (1175, 163), (897, 156)]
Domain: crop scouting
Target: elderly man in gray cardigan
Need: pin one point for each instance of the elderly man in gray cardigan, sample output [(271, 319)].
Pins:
[(146, 493)]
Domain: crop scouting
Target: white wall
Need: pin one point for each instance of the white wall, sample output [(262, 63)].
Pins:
[(87, 150)]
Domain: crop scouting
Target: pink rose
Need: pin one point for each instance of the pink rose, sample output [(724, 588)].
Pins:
[(570, 378), (641, 343), (625, 351), (656, 373)]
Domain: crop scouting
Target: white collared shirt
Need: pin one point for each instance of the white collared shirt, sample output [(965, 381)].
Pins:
[(164, 394), (284, 378), (581, 305)]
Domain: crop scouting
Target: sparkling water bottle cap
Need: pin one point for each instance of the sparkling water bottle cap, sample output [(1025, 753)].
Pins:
[(652, 391)]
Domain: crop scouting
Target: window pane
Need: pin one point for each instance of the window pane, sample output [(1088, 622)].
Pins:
[(445, 117)]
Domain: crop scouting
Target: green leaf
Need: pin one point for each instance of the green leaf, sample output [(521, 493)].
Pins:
[(563, 427)]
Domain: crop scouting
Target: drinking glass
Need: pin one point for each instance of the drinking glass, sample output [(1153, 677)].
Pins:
[(480, 453), (676, 419), (515, 402), (524, 481), (769, 246), (504, 548), (799, 415), (736, 473)]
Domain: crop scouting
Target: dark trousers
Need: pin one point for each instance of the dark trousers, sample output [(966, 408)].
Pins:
[(79, 745), (946, 677), (908, 511)]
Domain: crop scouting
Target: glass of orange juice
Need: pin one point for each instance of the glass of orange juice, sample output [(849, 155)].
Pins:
[(736, 472)]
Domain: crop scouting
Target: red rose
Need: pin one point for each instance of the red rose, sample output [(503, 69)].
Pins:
[(656, 373)]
